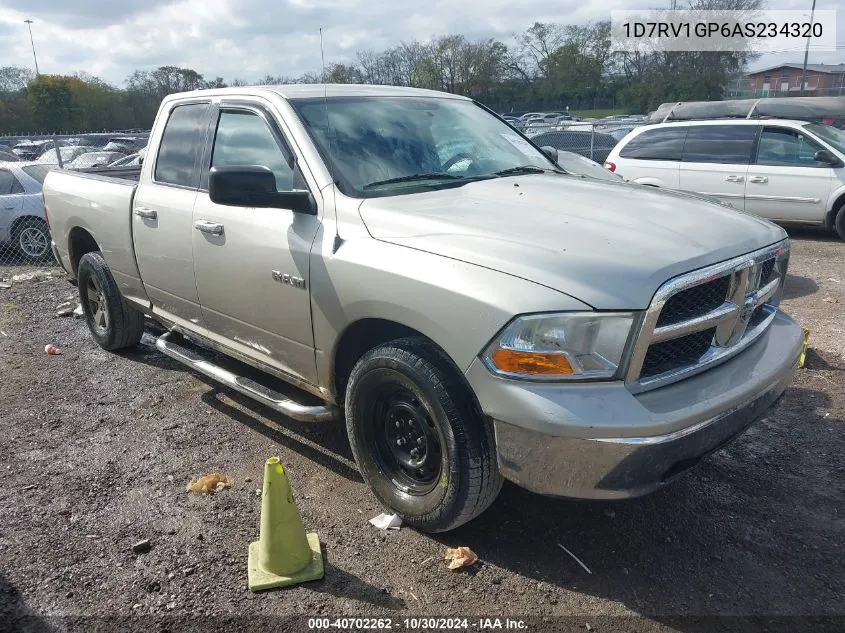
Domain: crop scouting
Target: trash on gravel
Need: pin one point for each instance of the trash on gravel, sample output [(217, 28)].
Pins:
[(142, 546), (209, 484), (35, 275), (577, 560), (78, 312), (4, 285), (4, 334), (30, 487), (460, 557), (386, 521), (52, 350), (66, 309), (830, 300), (836, 281)]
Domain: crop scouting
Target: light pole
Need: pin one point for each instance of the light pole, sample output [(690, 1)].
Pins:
[(32, 41), (807, 52)]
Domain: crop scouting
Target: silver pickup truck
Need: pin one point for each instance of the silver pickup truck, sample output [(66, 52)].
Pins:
[(470, 309)]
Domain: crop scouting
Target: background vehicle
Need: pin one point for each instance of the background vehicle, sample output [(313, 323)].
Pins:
[(474, 312), (133, 160), (22, 220), (94, 159), (8, 157), (785, 170), (593, 145), (125, 144), (31, 150), (68, 154)]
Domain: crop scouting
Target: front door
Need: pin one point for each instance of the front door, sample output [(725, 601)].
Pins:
[(162, 209), (252, 264), (785, 182)]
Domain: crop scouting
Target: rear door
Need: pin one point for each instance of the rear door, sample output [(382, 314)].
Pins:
[(784, 181), (162, 215), (715, 161), (252, 264), (653, 157)]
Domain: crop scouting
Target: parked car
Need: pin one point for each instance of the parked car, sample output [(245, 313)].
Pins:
[(785, 170), (31, 150), (22, 220), (124, 144), (91, 160), (593, 145), (133, 160), (68, 154), (473, 315), (8, 157)]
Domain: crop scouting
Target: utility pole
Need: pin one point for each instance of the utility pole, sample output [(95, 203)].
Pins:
[(35, 58), (807, 51)]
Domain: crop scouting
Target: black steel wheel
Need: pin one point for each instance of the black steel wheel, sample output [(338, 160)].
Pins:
[(418, 437)]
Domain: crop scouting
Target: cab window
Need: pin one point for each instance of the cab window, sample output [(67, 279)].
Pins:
[(244, 138)]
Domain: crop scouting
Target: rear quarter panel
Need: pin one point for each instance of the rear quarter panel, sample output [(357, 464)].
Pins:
[(102, 207)]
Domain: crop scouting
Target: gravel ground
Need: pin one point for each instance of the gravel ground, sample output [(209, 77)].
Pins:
[(96, 450)]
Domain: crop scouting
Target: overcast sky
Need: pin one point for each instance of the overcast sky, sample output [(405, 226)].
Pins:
[(249, 38)]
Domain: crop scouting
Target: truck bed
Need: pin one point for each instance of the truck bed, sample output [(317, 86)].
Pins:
[(99, 204)]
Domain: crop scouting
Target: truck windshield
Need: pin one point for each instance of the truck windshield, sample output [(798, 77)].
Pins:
[(385, 146)]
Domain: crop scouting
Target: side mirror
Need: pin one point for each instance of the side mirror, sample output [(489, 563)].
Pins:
[(826, 157), (255, 186), (550, 152)]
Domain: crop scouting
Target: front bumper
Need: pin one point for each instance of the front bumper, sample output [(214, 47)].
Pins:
[(599, 441)]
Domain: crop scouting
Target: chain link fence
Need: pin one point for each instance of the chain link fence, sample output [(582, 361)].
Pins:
[(24, 164), (591, 139)]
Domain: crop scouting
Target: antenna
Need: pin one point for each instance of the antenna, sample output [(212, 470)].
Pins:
[(337, 239)]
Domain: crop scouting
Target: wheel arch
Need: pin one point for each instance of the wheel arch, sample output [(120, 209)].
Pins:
[(365, 334), (80, 242)]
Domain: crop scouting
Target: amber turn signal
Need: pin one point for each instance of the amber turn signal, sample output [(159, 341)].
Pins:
[(532, 363)]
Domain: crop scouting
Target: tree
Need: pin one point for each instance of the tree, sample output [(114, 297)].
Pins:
[(50, 102)]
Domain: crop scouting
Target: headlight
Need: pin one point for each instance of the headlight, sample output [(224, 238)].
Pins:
[(568, 346)]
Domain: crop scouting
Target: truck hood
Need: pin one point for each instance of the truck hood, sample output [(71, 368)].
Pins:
[(606, 244)]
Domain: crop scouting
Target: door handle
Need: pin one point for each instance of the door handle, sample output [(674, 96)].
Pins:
[(733, 178), (8, 208), (758, 179), (212, 228), (147, 214)]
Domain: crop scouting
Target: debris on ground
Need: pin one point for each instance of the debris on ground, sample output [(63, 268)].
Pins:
[(575, 558), (386, 521), (460, 557), (52, 350), (142, 546), (78, 312), (35, 275), (804, 347), (67, 308), (209, 484), (4, 285)]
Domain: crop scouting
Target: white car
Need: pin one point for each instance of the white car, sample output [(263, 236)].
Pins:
[(22, 219), (788, 171)]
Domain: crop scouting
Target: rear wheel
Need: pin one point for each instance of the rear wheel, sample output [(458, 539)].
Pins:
[(839, 222), (113, 323), (418, 437), (32, 238)]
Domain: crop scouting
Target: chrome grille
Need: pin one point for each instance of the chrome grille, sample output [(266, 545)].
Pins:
[(706, 316)]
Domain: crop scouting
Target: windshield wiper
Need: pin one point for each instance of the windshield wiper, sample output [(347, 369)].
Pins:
[(415, 178), (521, 169)]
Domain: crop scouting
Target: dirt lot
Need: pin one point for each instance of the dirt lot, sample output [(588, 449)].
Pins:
[(96, 449)]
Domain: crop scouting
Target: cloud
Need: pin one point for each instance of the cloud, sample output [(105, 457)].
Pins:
[(250, 38)]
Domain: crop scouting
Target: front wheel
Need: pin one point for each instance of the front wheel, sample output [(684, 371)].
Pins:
[(418, 437), (113, 323)]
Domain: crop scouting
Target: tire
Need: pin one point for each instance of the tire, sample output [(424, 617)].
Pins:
[(32, 239), (113, 323), (839, 222), (404, 396)]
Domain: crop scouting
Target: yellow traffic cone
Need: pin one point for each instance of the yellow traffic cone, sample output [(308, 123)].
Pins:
[(283, 554)]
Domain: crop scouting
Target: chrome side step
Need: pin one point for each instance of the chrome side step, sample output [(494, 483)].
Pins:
[(264, 395)]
